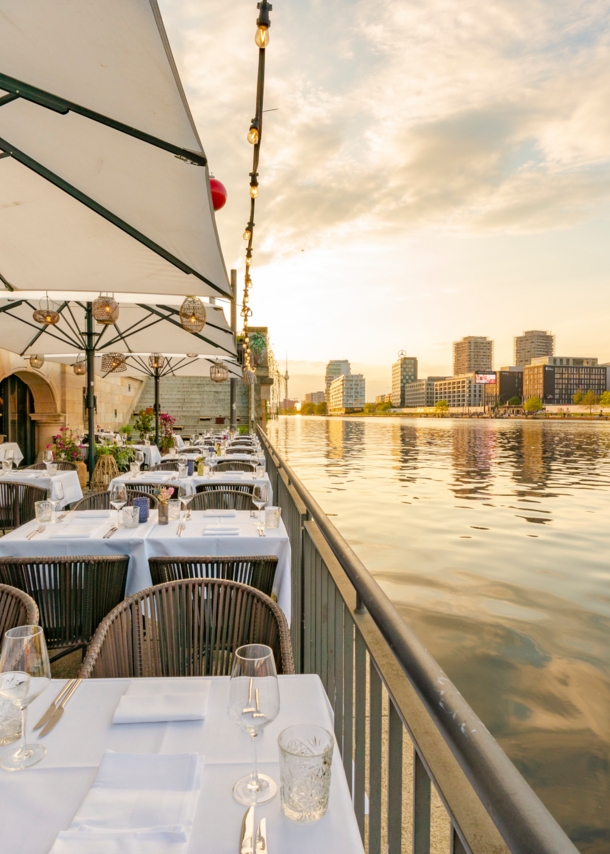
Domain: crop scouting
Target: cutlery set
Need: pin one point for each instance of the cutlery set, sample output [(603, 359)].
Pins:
[(39, 530), (110, 532), (251, 843), (54, 713)]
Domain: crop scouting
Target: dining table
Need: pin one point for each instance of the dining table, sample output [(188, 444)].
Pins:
[(152, 455), (38, 477), (209, 533), (170, 478), (11, 446), (45, 800)]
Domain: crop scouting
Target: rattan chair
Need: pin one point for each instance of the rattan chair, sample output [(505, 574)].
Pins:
[(230, 451), (16, 609), (17, 502), (186, 628), (258, 572), (166, 465), (150, 489), (73, 594), (235, 465), (101, 500), (191, 450), (61, 466), (221, 496)]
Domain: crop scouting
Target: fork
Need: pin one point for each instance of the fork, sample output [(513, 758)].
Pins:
[(39, 530), (250, 709)]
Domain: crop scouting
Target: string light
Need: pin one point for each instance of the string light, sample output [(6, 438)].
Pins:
[(253, 133)]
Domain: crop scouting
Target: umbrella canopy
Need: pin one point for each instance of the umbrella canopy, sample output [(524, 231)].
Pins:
[(140, 328), (103, 179)]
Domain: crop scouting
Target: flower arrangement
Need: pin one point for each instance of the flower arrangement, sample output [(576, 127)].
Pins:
[(166, 439), (164, 494), (144, 422), (68, 445)]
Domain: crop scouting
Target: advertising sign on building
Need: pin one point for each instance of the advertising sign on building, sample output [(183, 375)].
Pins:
[(487, 378)]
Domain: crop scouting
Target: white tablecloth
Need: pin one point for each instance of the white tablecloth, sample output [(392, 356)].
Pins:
[(178, 441), (38, 803), (13, 446), (37, 477), (193, 481), (152, 455), (150, 539), (251, 458)]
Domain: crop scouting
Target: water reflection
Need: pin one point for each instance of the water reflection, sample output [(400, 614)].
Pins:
[(492, 540)]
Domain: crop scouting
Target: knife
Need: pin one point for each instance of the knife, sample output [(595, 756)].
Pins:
[(261, 837), (246, 839), (53, 707), (57, 714), (110, 532)]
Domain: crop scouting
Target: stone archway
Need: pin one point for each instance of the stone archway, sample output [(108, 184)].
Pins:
[(46, 413)]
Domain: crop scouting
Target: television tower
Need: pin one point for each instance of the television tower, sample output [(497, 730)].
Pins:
[(286, 378)]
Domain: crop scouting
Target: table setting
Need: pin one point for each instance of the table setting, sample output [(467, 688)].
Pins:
[(64, 482), (10, 451), (171, 478), (158, 765)]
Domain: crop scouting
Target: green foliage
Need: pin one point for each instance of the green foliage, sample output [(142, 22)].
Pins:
[(605, 398), (321, 408), (243, 430), (126, 430), (308, 408), (121, 453), (533, 404), (144, 422), (514, 401), (369, 408), (577, 397), (383, 407), (590, 399), (441, 406)]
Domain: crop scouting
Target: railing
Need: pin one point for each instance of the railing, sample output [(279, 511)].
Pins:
[(424, 772)]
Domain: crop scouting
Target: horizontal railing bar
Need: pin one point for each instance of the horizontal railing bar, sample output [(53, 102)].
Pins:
[(518, 813)]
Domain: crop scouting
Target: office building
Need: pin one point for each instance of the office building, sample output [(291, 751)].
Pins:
[(509, 383), (474, 353), (555, 379), (533, 345), (346, 394), (315, 397), (383, 398), (461, 391), (335, 368), (421, 392), (404, 371)]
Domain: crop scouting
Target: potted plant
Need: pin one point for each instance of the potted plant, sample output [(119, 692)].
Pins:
[(166, 432), (144, 422), (68, 448), (126, 432), (122, 454)]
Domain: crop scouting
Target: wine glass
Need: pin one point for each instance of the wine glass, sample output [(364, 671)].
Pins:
[(254, 701), (57, 496), (47, 457), (185, 494), (140, 458), (118, 498), (7, 465), (9, 454), (259, 499), (25, 672)]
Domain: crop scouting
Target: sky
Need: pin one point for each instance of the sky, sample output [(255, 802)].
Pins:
[(431, 169)]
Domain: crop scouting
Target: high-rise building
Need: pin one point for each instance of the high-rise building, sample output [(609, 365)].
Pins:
[(555, 379), (346, 393), (315, 397), (532, 345), (473, 353), (421, 392), (404, 371), (463, 391), (335, 368)]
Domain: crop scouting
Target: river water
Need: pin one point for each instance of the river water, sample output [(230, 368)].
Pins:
[(492, 538)]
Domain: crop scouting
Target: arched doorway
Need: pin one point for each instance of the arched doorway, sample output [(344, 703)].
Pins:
[(16, 407)]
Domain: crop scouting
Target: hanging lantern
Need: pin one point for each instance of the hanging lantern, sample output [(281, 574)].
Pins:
[(156, 361), (46, 313), (219, 193), (218, 372), (192, 314), (248, 377), (80, 367), (36, 361), (105, 310), (113, 363)]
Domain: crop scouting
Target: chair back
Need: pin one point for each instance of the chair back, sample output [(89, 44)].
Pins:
[(73, 594), (16, 609), (234, 465), (219, 496), (61, 466), (239, 450), (166, 465), (191, 450), (17, 502), (186, 628), (101, 500), (258, 572)]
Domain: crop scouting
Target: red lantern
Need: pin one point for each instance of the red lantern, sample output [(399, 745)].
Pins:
[(219, 194)]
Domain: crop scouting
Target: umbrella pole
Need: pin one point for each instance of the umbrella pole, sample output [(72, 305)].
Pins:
[(90, 353), (233, 380), (157, 407)]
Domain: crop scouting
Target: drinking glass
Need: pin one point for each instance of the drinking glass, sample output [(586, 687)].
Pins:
[(254, 702), (25, 672), (182, 470), (173, 506), (57, 496), (52, 469), (131, 517), (186, 496), (306, 753), (134, 468), (139, 457), (47, 457), (43, 510), (118, 498), (259, 499), (259, 472), (7, 465), (272, 517), (9, 454)]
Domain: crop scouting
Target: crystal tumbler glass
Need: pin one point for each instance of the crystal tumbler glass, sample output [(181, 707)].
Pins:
[(43, 511), (272, 517), (131, 517), (306, 753)]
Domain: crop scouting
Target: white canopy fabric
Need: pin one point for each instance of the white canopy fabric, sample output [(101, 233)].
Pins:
[(103, 182), (180, 365), (139, 329)]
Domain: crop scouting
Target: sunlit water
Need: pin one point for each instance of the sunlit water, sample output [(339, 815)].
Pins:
[(493, 540)]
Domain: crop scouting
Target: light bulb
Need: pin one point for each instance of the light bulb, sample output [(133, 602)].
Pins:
[(248, 262), (247, 234), (254, 192), (262, 37), (253, 136)]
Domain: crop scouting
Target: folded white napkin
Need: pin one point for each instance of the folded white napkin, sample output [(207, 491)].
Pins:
[(220, 531), (226, 513), (93, 514), (139, 802), (154, 701), (157, 475), (230, 475), (76, 530)]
